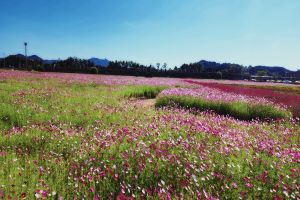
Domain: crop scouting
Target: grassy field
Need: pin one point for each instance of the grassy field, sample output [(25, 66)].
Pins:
[(63, 140)]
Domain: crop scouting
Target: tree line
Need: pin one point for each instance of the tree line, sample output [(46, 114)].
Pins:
[(202, 69)]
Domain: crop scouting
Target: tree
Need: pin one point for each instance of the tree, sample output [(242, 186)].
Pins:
[(164, 66), (94, 70), (235, 69), (157, 66), (261, 73)]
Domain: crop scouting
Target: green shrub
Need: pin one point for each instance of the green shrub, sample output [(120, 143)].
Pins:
[(94, 70), (143, 91), (240, 110)]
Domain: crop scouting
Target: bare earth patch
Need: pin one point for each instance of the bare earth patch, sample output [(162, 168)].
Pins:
[(145, 103)]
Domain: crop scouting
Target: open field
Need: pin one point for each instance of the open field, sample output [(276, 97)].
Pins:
[(75, 136)]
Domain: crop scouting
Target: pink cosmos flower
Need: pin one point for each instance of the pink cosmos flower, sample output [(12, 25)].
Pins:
[(1, 193), (42, 170), (234, 185), (249, 185)]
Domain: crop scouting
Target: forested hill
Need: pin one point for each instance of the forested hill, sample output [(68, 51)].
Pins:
[(209, 66)]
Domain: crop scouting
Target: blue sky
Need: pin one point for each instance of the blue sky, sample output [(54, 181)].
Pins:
[(248, 32)]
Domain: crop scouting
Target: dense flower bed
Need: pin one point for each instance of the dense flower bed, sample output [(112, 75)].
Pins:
[(215, 95), (86, 141), (170, 155), (89, 78), (225, 103), (290, 100), (244, 82)]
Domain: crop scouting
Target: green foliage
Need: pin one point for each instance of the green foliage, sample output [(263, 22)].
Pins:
[(94, 70), (142, 91), (31, 141), (240, 110), (10, 116), (261, 73), (40, 68)]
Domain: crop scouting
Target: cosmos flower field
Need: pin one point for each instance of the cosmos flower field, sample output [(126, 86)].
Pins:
[(76, 136)]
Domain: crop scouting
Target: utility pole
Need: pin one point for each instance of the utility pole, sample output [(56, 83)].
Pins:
[(25, 44), (3, 60)]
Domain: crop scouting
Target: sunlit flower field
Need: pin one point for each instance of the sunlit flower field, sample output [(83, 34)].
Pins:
[(76, 136)]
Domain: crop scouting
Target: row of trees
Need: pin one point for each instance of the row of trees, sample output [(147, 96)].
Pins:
[(162, 70), (71, 64), (202, 69)]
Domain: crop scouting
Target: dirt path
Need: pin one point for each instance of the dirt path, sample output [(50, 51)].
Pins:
[(145, 103)]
